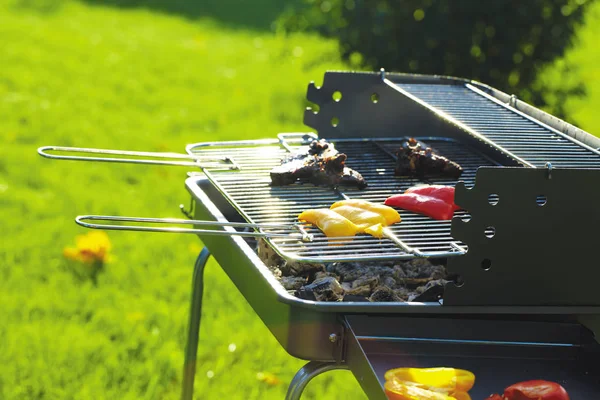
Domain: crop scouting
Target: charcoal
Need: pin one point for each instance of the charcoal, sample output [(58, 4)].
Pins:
[(370, 281), (384, 293), (322, 274), (324, 289), (293, 282), (416, 292), (320, 165), (351, 271), (389, 282), (418, 268), (433, 291), (308, 270), (363, 291), (402, 293), (275, 271), (268, 255), (415, 161)]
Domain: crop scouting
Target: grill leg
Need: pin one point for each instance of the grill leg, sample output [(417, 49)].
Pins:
[(306, 373), (191, 348)]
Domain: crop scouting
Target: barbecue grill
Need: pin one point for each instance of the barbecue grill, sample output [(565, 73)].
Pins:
[(525, 303)]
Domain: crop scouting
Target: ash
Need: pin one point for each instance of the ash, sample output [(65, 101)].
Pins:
[(414, 280)]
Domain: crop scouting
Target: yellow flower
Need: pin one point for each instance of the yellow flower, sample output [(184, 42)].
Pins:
[(268, 378), (91, 248)]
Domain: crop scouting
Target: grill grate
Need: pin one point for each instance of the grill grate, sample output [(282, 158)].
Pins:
[(250, 192), (509, 129)]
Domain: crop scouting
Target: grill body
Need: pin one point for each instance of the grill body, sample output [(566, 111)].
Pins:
[(489, 131)]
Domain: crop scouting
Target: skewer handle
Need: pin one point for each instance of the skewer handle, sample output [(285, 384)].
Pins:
[(139, 157), (80, 220)]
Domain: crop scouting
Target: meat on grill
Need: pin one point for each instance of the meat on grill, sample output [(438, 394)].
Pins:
[(320, 165), (415, 161)]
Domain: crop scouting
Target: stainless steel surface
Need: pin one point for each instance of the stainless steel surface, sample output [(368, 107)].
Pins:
[(142, 157), (517, 133), (176, 221), (251, 194)]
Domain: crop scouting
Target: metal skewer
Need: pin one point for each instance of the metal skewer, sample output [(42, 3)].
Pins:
[(80, 221), (143, 157)]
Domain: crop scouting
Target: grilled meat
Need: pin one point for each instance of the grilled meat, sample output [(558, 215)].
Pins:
[(321, 164), (421, 163)]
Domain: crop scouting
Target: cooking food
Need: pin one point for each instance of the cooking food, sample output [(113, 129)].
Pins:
[(363, 216), (331, 223), (397, 390), (427, 205), (441, 377), (360, 217), (416, 161), (321, 164), (533, 390), (442, 192), (439, 383), (391, 216)]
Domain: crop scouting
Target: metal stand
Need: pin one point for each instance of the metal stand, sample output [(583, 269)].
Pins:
[(191, 348), (302, 377), (305, 375)]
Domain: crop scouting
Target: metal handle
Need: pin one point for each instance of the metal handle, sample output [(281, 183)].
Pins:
[(226, 163), (80, 221), (303, 138)]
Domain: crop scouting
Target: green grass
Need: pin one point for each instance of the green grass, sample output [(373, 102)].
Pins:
[(145, 78), (131, 78)]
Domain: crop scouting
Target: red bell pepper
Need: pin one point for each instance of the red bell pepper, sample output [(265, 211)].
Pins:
[(536, 389), (533, 390), (442, 192), (430, 206)]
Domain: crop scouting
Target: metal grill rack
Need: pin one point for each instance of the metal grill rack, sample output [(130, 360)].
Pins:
[(531, 141), (250, 192)]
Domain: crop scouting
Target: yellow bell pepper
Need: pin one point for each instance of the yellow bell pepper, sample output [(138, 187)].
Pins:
[(391, 216), (360, 217), (458, 380), (375, 230), (403, 390), (330, 222)]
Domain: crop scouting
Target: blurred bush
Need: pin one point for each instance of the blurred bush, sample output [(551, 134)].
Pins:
[(502, 43)]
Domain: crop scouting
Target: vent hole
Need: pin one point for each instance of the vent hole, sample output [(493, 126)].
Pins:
[(459, 281), (493, 199), (337, 95), (335, 121), (490, 231), (541, 200), (486, 264), (466, 217), (375, 98), (314, 107)]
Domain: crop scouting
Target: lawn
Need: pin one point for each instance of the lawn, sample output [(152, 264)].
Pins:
[(151, 79), (116, 75)]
